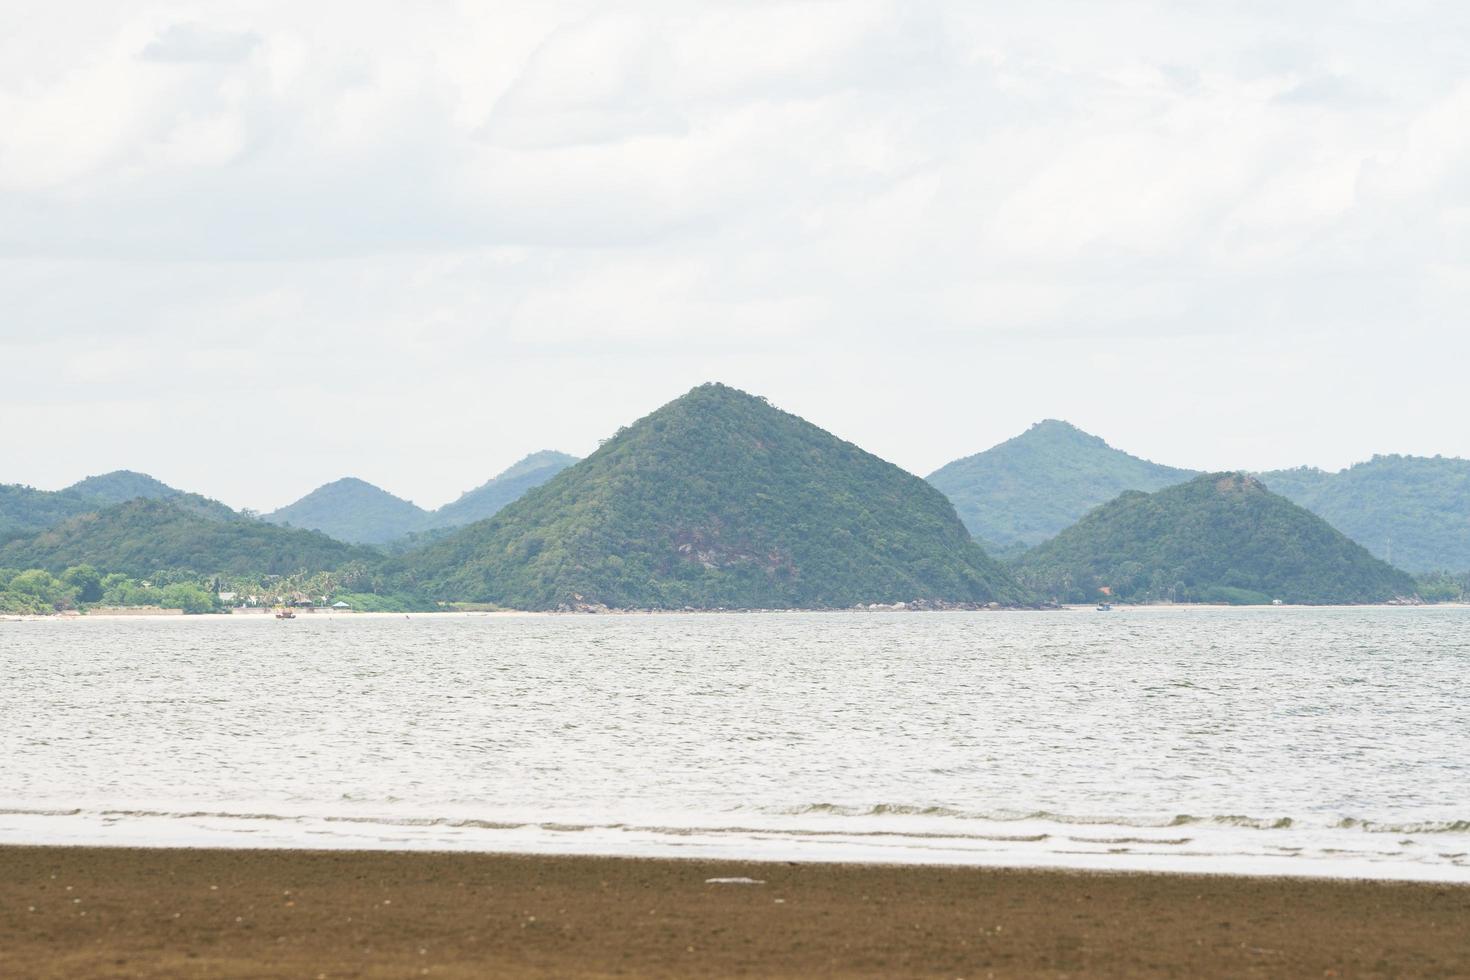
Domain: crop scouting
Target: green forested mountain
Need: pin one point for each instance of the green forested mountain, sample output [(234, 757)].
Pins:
[(353, 510), (356, 511), (142, 536), (123, 485), (1411, 510), (200, 506), (1026, 489), (1222, 537), (26, 510), (717, 500), (485, 500)]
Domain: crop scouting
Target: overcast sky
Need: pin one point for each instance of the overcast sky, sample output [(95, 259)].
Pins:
[(253, 247)]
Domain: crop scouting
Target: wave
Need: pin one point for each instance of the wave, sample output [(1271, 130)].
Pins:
[(294, 818), (1176, 841), (1415, 827), (1334, 848), (1407, 828), (1244, 821), (1048, 816), (458, 823), (1236, 820)]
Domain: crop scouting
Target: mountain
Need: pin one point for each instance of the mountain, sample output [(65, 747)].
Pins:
[(1222, 537), (717, 500), (356, 511), (1026, 489), (353, 510), (485, 500), (142, 536), (1413, 511), (26, 510), (123, 485)]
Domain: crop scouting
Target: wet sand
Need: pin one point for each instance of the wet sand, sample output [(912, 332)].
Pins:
[(73, 912)]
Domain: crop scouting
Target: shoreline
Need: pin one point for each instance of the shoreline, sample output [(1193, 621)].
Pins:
[(263, 613), (68, 911), (1184, 846)]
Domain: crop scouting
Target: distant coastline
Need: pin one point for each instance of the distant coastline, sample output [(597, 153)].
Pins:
[(345, 614)]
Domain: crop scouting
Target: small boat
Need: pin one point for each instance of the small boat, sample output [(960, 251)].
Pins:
[(285, 614), (1104, 607)]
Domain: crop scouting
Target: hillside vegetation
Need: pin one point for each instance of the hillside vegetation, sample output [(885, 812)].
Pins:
[(353, 510), (122, 485), (142, 536), (1412, 510), (717, 500), (26, 510), (1028, 488), (488, 498), (1222, 537)]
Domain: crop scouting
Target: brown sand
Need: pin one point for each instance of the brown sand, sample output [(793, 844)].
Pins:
[(71, 912)]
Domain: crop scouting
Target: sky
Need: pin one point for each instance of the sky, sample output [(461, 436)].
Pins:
[(253, 247)]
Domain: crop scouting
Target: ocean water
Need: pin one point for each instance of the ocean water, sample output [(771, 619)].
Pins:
[(1280, 741)]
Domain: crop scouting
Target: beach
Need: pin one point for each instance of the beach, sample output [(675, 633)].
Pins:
[(67, 912)]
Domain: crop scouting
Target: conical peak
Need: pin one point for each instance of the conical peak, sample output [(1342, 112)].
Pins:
[(1059, 431), (348, 483), (714, 393), (1232, 482), (713, 403), (1056, 425)]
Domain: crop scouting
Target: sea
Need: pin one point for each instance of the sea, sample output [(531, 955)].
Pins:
[(1279, 741)]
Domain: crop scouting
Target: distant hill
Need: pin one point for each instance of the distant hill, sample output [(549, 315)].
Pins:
[(120, 485), (353, 510), (717, 500), (1026, 489), (1420, 505), (26, 510), (1222, 537), (142, 536), (488, 498), (123, 485)]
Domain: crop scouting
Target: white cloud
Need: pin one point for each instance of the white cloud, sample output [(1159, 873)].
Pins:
[(187, 43), (925, 224), (594, 81)]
